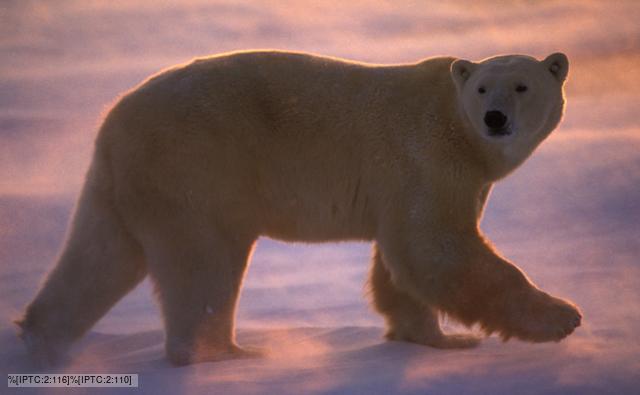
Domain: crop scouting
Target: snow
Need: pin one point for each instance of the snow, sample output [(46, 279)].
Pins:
[(570, 217)]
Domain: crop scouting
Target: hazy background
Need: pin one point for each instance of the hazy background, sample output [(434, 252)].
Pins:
[(570, 216)]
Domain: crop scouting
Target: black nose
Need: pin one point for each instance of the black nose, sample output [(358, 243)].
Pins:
[(495, 119)]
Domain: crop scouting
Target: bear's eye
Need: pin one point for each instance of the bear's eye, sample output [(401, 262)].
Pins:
[(521, 88), (481, 90)]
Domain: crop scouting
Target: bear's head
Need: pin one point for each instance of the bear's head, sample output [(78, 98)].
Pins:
[(510, 104)]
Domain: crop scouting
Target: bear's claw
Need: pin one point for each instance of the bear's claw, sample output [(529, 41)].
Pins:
[(543, 318)]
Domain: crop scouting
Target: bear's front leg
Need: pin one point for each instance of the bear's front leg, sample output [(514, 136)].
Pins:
[(409, 319), (455, 270)]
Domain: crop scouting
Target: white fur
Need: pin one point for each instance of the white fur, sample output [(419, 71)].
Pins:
[(200, 160)]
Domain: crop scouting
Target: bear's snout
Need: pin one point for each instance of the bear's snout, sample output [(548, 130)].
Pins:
[(496, 121)]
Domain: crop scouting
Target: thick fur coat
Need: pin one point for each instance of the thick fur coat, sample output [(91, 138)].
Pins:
[(196, 163)]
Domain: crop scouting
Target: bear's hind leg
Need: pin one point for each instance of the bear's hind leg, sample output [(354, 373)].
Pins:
[(100, 263), (198, 271), (407, 318)]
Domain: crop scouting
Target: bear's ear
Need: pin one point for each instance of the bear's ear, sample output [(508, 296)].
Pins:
[(558, 65), (461, 70)]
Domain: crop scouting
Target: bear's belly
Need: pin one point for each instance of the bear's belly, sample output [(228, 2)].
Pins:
[(315, 220)]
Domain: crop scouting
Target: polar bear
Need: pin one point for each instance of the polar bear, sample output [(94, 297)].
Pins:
[(197, 162)]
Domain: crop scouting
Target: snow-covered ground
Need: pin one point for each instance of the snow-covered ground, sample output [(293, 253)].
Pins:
[(570, 217)]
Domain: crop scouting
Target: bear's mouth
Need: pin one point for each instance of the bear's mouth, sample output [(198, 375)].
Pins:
[(500, 132)]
